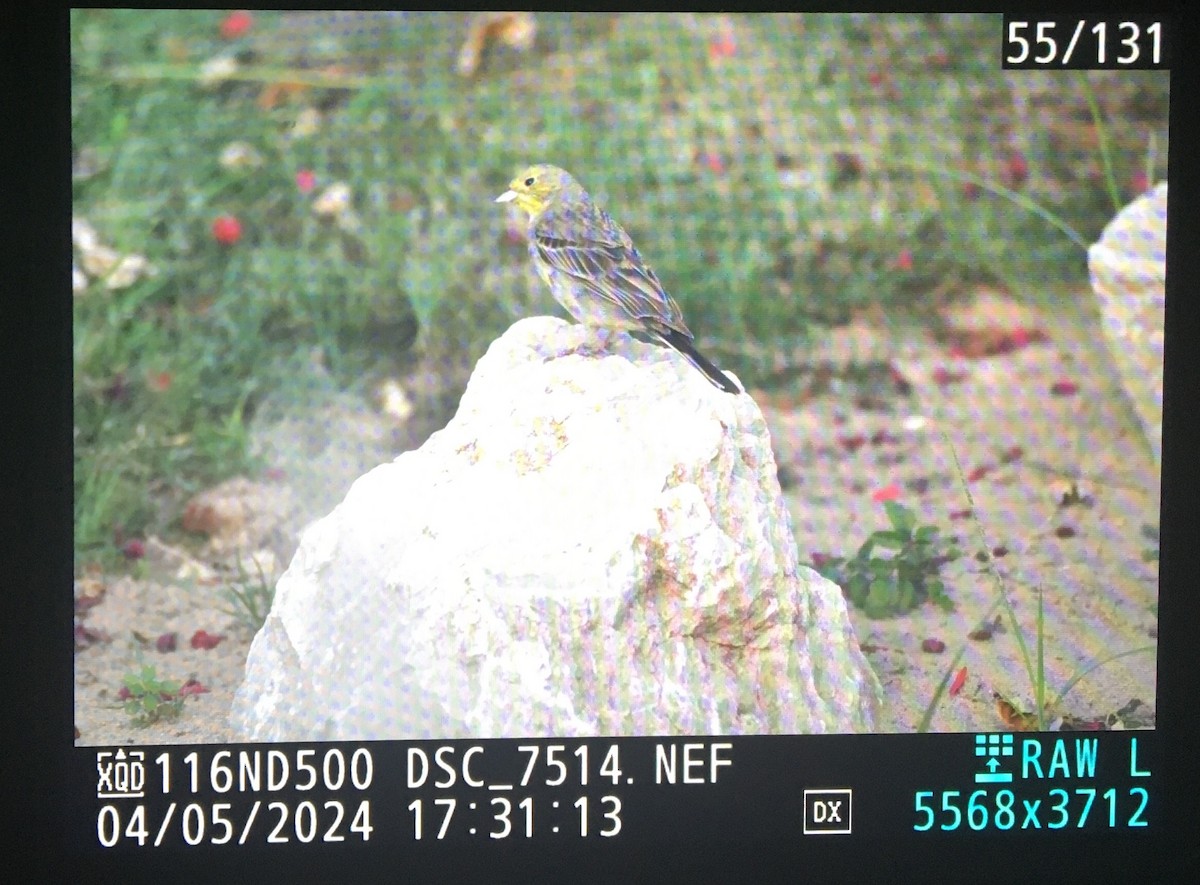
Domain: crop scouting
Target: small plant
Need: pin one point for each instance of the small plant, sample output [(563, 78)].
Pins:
[(883, 586), (251, 596), (148, 698)]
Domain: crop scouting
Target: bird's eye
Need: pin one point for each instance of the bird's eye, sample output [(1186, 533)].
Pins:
[(529, 182)]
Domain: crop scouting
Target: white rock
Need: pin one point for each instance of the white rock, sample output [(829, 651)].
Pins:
[(1129, 272), (595, 545)]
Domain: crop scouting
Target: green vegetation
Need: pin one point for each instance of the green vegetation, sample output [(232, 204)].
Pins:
[(150, 698), (250, 596), (883, 586)]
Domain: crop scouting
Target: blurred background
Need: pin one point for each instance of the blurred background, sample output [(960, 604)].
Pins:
[(288, 258)]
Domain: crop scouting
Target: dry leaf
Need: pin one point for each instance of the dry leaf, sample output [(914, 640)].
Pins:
[(128, 271), (1012, 717), (514, 29), (99, 261), (308, 122)]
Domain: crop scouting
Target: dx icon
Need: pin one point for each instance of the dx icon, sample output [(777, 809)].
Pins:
[(827, 811)]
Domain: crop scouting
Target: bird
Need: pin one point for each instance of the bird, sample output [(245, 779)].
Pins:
[(594, 270)]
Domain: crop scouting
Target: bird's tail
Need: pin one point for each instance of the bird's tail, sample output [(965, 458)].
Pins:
[(682, 343)]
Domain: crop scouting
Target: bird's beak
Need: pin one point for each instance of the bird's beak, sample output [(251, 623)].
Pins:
[(506, 197)]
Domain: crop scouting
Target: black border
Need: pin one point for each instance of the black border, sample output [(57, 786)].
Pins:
[(36, 307)]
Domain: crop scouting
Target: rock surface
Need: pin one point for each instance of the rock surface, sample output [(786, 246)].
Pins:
[(595, 544), (1128, 270)]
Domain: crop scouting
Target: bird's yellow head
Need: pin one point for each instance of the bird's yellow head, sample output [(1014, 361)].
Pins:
[(535, 187)]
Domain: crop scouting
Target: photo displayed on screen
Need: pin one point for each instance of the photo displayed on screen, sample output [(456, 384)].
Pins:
[(344, 469), (529, 375)]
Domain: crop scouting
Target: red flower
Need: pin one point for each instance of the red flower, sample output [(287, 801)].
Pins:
[(235, 24), (192, 686), (978, 473), (306, 181), (722, 46), (942, 377), (134, 549), (714, 163), (852, 443), (904, 261), (85, 602), (889, 492), (933, 646), (1064, 387), (959, 679), (166, 642), (1012, 453), (85, 636), (1016, 168), (205, 640), (226, 230)]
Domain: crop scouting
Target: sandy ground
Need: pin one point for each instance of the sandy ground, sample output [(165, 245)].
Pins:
[(1099, 595)]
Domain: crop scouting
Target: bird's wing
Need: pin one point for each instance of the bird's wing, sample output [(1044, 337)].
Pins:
[(595, 252)]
